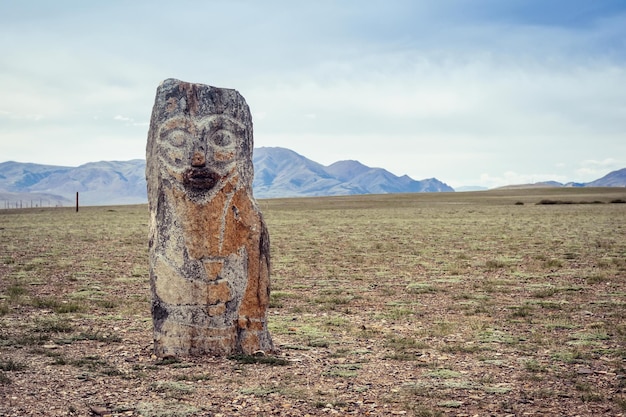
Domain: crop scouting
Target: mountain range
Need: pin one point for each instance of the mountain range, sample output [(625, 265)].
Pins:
[(612, 179), (98, 183), (279, 172)]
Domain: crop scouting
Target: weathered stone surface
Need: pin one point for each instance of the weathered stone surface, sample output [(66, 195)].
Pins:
[(209, 247)]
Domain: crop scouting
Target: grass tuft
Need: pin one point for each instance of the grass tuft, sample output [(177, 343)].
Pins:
[(4, 379), (11, 365), (263, 359)]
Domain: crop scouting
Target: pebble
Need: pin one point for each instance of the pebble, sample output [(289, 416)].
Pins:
[(100, 411)]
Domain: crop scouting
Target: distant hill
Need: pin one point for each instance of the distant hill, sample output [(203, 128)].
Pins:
[(279, 172), (471, 188), (543, 184), (97, 183), (16, 177), (25, 200), (612, 179)]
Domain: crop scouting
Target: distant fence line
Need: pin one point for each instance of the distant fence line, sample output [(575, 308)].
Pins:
[(19, 204)]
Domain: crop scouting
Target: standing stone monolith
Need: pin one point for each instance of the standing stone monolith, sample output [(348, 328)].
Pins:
[(209, 246)]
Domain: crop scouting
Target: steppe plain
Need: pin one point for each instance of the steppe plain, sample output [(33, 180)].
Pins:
[(444, 304)]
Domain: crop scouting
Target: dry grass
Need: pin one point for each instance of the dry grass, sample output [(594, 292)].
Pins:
[(423, 304)]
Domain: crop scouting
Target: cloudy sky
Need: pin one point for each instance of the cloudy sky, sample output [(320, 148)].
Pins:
[(480, 92)]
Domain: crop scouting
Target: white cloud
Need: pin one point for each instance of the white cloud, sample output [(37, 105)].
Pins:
[(23, 116), (594, 169), (605, 163)]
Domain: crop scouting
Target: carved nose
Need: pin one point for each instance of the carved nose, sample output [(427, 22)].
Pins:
[(198, 160)]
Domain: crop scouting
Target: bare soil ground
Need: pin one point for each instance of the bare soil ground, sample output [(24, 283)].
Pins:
[(456, 304)]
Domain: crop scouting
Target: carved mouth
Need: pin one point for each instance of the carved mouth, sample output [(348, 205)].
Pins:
[(200, 178)]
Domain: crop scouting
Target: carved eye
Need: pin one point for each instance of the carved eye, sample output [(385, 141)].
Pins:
[(222, 138), (177, 138)]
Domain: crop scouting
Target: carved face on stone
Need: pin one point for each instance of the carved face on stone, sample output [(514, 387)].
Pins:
[(200, 140), (201, 153)]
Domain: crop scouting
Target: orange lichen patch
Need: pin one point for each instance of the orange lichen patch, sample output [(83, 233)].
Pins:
[(241, 223), (224, 156), (172, 104), (256, 297), (232, 183), (198, 159), (250, 324), (242, 322), (218, 292), (243, 226), (216, 310), (213, 269), (202, 224), (249, 342)]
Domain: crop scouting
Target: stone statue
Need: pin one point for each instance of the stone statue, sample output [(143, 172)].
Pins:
[(209, 246)]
